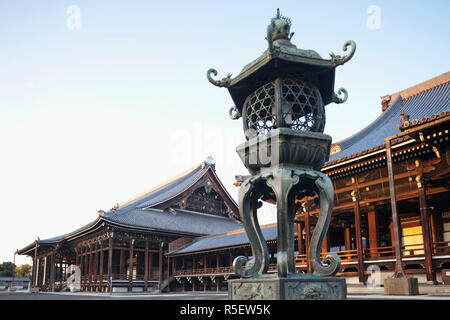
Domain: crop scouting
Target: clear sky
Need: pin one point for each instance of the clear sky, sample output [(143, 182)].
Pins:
[(94, 115)]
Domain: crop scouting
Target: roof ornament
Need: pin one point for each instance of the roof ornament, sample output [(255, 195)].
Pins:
[(337, 60), (278, 29), (385, 100), (209, 160), (335, 97), (404, 120), (234, 113), (225, 82)]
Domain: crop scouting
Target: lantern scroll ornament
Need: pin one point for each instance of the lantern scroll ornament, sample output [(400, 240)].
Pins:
[(281, 97)]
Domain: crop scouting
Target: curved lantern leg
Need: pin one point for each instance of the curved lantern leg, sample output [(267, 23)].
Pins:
[(248, 202), (326, 194), (281, 183)]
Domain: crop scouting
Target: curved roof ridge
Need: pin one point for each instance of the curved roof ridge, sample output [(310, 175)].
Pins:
[(158, 187), (422, 87), (345, 143)]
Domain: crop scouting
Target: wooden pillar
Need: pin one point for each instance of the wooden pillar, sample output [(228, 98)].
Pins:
[(122, 264), (101, 267), (130, 266), (399, 271), (146, 266), (391, 229), (52, 271), (204, 263), (348, 239), (431, 274), (359, 248), (168, 274), (150, 262), (160, 266), (218, 282), (307, 241), (81, 258), (299, 237), (90, 268), (38, 267), (61, 279), (217, 263), (110, 256), (95, 268), (231, 261), (194, 264), (325, 248), (373, 232), (35, 266)]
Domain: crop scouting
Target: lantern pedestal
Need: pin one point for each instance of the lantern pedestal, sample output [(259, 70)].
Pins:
[(281, 97), (285, 147), (293, 287)]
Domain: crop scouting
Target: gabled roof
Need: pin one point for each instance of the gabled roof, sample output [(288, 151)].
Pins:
[(166, 191), (229, 239), (59, 239), (147, 211), (419, 102)]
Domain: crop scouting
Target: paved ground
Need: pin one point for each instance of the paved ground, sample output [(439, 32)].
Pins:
[(180, 296)]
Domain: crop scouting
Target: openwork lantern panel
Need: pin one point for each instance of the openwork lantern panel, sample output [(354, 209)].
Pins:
[(259, 116), (302, 106), (288, 103)]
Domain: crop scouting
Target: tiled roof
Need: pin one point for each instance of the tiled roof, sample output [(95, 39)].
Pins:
[(431, 103), (224, 240), (421, 87), (138, 212), (175, 221), (166, 190)]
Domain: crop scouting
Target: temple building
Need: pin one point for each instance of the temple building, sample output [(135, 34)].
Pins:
[(185, 233), (415, 121), (124, 249)]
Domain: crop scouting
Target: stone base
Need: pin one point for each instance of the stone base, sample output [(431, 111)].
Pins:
[(34, 290), (401, 286), (293, 287)]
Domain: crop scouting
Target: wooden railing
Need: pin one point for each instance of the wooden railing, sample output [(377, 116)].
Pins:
[(412, 250), (104, 278), (203, 271), (441, 248)]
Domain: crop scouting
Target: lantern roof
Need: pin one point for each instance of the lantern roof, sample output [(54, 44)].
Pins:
[(284, 59)]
